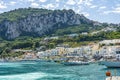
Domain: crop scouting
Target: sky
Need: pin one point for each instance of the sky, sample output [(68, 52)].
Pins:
[(97, 10)]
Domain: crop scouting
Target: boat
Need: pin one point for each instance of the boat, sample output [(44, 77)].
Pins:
[(75, 63), (112, 64)]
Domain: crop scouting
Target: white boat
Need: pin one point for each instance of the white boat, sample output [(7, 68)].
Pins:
[(75, 63), (112, 64)]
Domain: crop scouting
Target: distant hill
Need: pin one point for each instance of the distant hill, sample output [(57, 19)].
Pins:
[(39, 22)]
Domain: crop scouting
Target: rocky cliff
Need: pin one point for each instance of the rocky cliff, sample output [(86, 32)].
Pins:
[(37, 22)]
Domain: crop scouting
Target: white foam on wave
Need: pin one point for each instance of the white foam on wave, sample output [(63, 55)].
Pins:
[(10, 65), (28, 76)]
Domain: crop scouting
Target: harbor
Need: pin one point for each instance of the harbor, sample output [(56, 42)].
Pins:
[(89, 62), (42, 70), (52, 71)]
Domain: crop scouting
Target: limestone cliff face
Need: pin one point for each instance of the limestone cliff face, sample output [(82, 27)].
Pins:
[(40, 24)]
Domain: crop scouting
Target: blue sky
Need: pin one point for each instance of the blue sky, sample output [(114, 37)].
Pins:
[(97, 10)]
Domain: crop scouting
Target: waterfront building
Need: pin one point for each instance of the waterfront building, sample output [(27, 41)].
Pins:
[(28, 56), (107, 42)]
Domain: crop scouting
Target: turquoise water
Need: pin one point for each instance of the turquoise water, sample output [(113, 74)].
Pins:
[(31, 70)]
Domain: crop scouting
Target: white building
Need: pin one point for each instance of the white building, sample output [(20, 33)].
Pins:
[(107, 42)]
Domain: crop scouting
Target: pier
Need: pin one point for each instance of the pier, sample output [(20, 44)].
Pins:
[(113, 78)]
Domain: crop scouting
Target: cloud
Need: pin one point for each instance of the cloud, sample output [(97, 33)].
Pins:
[(102, 7), (34, 5), (115, 10), (2, 5), (65, 7), (31, 0), (108, 12), (93, 6), (48, 6), (71, 2), (88, 2), (118, 12), (80, 2), (12, 3), (42, 0), (57, 0)]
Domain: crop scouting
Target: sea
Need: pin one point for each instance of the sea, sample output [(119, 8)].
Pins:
[(41, 70)]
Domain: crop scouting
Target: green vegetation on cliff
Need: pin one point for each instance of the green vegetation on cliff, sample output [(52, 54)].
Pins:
[(22, 13)]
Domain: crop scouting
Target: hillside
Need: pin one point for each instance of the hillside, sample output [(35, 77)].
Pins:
[(39, 22)]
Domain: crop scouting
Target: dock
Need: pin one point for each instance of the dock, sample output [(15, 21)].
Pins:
[(113, 78)]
